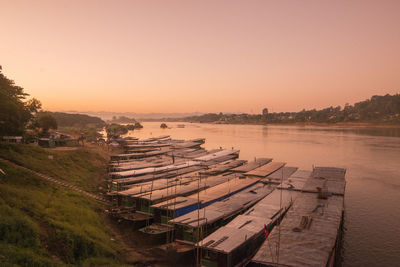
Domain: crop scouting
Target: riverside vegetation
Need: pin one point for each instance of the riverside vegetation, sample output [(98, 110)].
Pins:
[(42, 224), (376, 110)]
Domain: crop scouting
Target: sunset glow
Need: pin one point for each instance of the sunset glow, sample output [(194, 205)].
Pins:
[(206, 56)]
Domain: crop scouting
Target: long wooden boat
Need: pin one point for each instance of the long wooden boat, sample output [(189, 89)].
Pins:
[(221, 168), (173, 208), (147, 202), (235, 243), (181, 205), (309, 233), (199, 224), (251, 165)]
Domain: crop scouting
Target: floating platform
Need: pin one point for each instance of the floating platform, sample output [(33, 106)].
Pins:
[(190, 227), (308, 234), (176, 207), (235, 243), (236, 213), (249, 166), (221, 168), (266, 169)]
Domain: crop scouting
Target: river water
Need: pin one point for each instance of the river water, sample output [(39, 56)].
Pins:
[(370, 155)]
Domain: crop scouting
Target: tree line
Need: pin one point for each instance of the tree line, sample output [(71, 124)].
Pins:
[(17, 112), (75, 120), (23, 116), (377, 109)]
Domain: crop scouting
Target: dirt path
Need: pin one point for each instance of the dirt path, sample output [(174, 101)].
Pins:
[(58, 182)]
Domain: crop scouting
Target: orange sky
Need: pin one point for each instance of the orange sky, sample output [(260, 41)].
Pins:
[(207, 56)]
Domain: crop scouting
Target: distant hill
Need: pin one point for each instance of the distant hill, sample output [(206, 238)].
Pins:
[(122, 119), (76, 120), (108, 115), (378, 109)]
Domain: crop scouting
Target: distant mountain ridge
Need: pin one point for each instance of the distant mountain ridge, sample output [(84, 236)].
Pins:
[(108, 115), (75, 119), (378, 109)]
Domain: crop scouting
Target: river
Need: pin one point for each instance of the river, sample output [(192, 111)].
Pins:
[(370, 155)]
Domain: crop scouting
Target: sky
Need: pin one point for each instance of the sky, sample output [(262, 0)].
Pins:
[(200, 56)]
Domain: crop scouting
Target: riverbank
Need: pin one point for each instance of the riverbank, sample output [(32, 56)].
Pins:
[(338, 124), (45, 224), (370, 154)]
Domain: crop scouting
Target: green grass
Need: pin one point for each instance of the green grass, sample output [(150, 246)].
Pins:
[(42, 224), (80, 167)]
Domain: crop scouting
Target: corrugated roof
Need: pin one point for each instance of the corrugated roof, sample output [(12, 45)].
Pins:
[(329, 179), (225, 208), (252, 165), (281, 174), (307, 233), (266, 169), (223, 167), (251, 222), (183, 189), (221, 190), (218, 154)]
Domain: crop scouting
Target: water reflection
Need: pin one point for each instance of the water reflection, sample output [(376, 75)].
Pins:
[(265, 131), (359, 130), (371, 156)]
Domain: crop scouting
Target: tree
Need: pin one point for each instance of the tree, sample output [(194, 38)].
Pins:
[(114, 130), (138, 125), (163, 126), (91, 134), (15, 111), (46, 122), (265, 112)]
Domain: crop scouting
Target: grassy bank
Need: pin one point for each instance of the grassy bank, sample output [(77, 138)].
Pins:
[(42, 224), (84, 167)]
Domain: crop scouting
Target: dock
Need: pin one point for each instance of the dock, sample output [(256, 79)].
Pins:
[(191, 226), (265, 170), (249, 166), (227, 211), (235, 243), (311, 227)]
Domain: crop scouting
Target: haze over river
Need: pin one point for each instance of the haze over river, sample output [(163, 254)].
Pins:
[(370, 155)]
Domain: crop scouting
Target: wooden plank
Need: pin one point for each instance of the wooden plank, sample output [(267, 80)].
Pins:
[(307, 234), (221, 210), (212, 192), (252, 165), (266, 170), (218, 154), (220, 168)]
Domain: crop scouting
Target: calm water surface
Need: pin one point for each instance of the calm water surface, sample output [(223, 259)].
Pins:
[(372, 159)]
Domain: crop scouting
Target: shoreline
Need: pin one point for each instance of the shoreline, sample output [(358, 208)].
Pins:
[(321, 124)]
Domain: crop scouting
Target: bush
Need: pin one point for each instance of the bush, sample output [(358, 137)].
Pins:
[(17, 229), (39, 219)]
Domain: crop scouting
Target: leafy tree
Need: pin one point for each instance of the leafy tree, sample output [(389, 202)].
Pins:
[(138, 125), (91, 134), (122, 119), (46, 121), (130, 127), (15, 111), (76, 120), (114, 130), (378, 109)]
